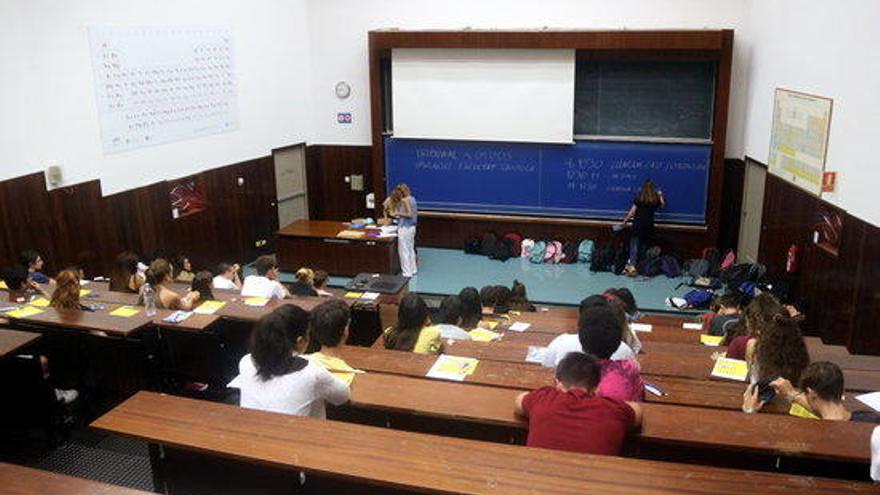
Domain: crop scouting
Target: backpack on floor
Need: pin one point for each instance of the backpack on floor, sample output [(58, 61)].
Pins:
[(651, 268), (735, 276), (713, 258), (538, 250), (728, 260), (570, 250), (487, 244), (602, 259), (670, 266), (647, 259), (557, 253), (526, 247), (515, 243), (472, 245), (585, 251), (621, 256), (699, 299), (503, 250), (697, 268)]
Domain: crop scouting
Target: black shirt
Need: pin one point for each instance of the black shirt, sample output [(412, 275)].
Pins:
[(643, 222), (300, 289)]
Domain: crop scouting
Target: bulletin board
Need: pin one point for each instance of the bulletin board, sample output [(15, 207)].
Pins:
[(799, 139), (156, 85)]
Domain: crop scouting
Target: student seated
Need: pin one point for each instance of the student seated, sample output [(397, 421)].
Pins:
[(758, 314), (32, 260), (571, 342), (780, 351), (600, 336), (627, 334), (21, 288), (724, 316), (184, 269), (226, 277), (321, 278), (328, 326), (202, 283), (495, 299), (628, 300), (274, 377), (471, 308), (571, 416), (304, 284), (265, 283), (519, 301), (125, 276), (448, 319), (412, 332), (159, 278), (66, 293), (820, 391)]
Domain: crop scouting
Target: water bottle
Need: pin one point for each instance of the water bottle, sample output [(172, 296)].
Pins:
[(149, 300)]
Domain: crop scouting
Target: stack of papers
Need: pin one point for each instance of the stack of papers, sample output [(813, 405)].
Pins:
[(452, 368), (125, 311), (871, 400), (483, 335), (3, 285), (641, 327), (209, 307), (84, 292), (40, 302), (732, 369), (256, 301), (370, 296), (353, 295), (692, 326), (711, 340), (536, 354), (177, 316), (519, 326), (24, 312), (351, 234)]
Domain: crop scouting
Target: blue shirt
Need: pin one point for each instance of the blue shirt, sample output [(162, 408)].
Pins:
[(408, 222), (39, 278)]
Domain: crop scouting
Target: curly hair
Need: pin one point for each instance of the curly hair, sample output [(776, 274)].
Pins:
[(761, 312), (781, 350)]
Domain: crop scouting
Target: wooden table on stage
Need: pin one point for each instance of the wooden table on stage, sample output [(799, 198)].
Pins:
[(314, 244)]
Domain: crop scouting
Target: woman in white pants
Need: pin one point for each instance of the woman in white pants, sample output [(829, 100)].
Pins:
[(407, 214)]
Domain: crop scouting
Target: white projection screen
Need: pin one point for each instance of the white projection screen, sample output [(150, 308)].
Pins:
[(485, 95)]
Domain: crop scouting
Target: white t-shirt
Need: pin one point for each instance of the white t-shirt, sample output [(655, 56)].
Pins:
[(569, 342), (301, 393), (259, 286), (221, 282)]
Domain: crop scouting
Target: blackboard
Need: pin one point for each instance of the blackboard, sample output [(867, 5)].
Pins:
[(666, 99), (588, 179)]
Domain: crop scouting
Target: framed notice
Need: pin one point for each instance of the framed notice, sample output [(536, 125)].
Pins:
[(799, 138)]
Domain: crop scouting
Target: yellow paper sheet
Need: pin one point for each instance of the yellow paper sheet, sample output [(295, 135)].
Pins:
[(84, 292), (483, 335), (256, 301), (354, 295), (490, 325), (40, 302), (453, 367), (3, 285), (733, 369), (711, 340), (801, 412), (209, 307), (125, 311), (24, 312)]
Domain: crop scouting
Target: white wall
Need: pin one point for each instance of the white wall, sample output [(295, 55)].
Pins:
[(47, 100), (338, 38), (829, 49)]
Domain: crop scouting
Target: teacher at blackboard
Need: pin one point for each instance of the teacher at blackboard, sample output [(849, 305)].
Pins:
[(407, 214), (645, 205)]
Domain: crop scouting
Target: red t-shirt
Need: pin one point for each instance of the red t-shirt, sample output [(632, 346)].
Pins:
[(737, 347), (576, 421)]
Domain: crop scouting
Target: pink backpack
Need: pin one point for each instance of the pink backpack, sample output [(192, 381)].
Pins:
[(554, 252), (729, 259), (526, 247)]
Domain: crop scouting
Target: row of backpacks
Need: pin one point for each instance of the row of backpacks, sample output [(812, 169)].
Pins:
[(513, 245)]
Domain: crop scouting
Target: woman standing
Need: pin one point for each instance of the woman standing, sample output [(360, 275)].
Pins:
[(645, 205), (407, 214)]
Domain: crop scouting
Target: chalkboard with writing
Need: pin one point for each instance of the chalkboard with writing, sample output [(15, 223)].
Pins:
[(588, 179)]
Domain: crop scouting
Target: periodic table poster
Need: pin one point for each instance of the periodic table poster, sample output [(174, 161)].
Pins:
[(160, 84)]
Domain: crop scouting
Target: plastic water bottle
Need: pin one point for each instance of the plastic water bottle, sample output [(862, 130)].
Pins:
[(149, 300)]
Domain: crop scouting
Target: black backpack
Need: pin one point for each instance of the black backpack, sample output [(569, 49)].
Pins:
[(472, 245), (621, 256), (602, 259), (736, 275), (570, 250), (713, 258), (487, 245), (502, 251)]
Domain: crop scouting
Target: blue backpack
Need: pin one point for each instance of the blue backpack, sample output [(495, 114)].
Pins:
[(670, 267), (585, 251), (538, 252), (699, 299)]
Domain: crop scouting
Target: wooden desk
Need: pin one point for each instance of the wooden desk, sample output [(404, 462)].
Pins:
[(100, 321), (23, 480), (765, 434), (314, 244), (419, 462), (13, 340)]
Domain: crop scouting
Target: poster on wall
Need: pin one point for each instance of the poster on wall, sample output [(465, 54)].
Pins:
[(187, 197), (828, 229), (799, 138), (156, 85)]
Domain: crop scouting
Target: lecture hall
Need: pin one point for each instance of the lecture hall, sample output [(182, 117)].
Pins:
[(445, 247)]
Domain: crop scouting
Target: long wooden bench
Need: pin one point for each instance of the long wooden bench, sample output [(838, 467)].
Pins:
[(382, 457), (23, 480)]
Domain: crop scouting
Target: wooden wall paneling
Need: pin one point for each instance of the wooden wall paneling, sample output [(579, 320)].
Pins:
[(787, 215), (865, 335), (257, 204), (82, 232), (200, 235), (141, 218), (29, 222), (330, 197), (731, 204)]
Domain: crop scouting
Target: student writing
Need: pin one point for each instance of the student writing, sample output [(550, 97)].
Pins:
[(412, 332)]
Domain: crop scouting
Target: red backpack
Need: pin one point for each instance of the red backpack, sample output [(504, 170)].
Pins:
[(515, 242)]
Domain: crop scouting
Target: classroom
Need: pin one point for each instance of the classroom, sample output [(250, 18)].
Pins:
[(447, 247)]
